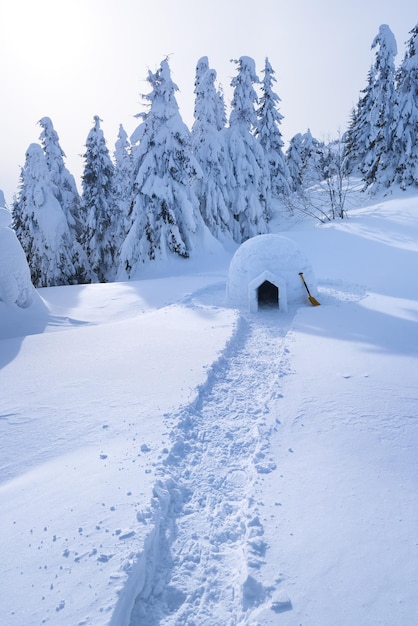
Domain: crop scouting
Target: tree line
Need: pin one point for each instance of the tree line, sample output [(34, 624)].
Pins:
[(167, 190), (382, 138)]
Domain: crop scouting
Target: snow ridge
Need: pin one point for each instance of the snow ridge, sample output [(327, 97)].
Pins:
[(211, 524)]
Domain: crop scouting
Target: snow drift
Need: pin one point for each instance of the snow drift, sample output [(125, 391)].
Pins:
[(15, 282)]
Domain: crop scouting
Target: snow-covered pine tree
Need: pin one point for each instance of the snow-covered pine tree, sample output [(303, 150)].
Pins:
[(122, 183), (64, 188), (302, 158), (312, 151), (208, 144), (269, 135), (249, 183), (98, 206), (375, 166), (41, 225), (294, 161), (405, 141), (166, 218), (357, 137)]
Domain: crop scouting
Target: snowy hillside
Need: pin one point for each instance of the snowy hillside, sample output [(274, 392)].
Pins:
[(168, 459)]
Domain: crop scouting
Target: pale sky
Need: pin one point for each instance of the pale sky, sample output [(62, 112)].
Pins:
[(73, 59)]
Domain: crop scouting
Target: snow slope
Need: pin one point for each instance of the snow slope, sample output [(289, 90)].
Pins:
[(166, 459)]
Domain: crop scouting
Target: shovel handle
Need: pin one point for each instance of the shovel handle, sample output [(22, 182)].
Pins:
[(303, 280)]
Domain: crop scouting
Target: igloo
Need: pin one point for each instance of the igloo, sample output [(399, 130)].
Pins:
[(264, 271)]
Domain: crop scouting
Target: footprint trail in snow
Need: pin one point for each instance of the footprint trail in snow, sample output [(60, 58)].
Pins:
[(207, 569)]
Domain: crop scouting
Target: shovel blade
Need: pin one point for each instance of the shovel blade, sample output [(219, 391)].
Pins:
[(314, 301)]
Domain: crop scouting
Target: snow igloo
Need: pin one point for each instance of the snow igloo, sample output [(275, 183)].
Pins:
[(264, 272)]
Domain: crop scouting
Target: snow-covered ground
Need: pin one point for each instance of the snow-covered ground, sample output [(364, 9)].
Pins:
[(169, 460)]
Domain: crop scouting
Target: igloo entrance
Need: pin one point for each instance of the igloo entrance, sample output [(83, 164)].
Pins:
[(267, 295), (264, 292)]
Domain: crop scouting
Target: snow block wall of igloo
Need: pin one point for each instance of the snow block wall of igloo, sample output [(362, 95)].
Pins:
[(274, 259)]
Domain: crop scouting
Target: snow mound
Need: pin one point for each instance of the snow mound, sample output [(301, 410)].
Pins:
[(265, 269), (15, 281)]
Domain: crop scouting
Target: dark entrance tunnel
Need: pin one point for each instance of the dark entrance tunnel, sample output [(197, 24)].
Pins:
[(267, 294)]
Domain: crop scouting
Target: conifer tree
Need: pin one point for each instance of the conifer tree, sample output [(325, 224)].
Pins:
[(357, 138), (63, 186), (376, 161), (249, 183), (405, 141), (218, 108), (294, 161), (98, 206), (122, 184), (208, 144), (41, 225), (166, 218), (302, 158), (269, 135)]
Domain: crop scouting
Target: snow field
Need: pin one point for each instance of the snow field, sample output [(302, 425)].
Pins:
[(221, 468), (79, 445), (346, 448)]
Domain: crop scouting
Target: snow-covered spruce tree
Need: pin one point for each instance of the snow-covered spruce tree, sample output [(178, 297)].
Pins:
[(64, 188), (98, 206), (218, 100), (122, 184), (405, 139), (166, 218), (357, 137), (294, 161), (41, 225), (269, 135), (375, 166), (249, 183), (208, 144), (302, 160)]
